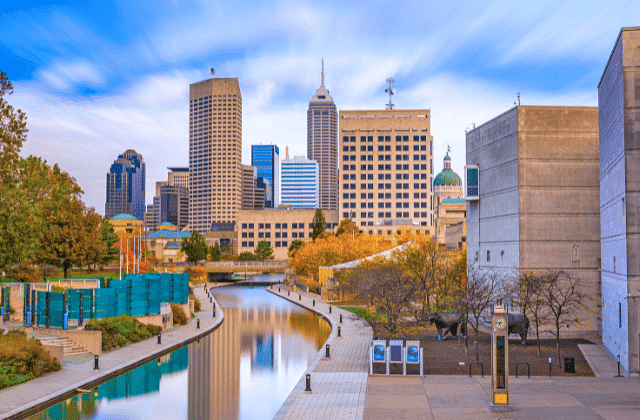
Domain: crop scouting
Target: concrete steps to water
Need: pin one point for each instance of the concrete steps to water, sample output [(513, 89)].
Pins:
[(71, 349)]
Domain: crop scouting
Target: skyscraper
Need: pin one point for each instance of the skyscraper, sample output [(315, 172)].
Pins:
[(125, 186), (215, 152), (300, 182), (266, 159), (322, 144), (387, 170)]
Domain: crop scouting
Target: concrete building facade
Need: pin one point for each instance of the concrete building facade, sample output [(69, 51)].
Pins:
[(253, 198), (279, 227), (386, 170), (300, 182), (619, 117), (266, 159), (322, 144), (538, 206), (126, 186), (215, 152), (171, 201)]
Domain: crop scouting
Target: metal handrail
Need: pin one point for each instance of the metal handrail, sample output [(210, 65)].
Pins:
[(476, 363), (528, 369)]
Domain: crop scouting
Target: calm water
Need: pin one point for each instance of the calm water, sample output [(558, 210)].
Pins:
[(243, 370)]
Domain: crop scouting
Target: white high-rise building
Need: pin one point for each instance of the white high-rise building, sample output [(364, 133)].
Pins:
[(299, 182)]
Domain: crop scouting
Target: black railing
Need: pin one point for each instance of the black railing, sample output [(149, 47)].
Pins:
[(476, 363), (528, 369)]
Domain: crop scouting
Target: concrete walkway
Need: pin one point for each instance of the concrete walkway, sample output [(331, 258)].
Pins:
[(33, 396), (460, 397), (600, 361), (339, 383)]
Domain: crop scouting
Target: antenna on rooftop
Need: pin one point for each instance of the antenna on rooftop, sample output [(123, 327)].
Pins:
[(392, 91), (322, 72), (517, 101)]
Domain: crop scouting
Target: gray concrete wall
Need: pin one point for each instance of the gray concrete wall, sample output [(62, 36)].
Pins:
[(618, 105), (493, 221)]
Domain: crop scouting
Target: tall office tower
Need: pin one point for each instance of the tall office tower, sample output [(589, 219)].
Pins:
[(252, 196), (322, 144), (387, 169), (125, 186), (619, 114), (266, 159), (171, 202), (300, 183), (178, 176), (215, 153)]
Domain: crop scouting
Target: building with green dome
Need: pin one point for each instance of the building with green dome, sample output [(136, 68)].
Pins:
[(447, 192)]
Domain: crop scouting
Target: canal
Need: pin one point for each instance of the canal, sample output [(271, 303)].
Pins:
[(243, 370)]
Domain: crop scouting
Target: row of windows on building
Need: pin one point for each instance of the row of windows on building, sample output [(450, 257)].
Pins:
[(383, 196), (277, 225), (278, 244), (387, 167), (369, 139), (386, 205), (347, 158), (364, 177), (267, 235), (388, 215), (387, 148), (405, 186)]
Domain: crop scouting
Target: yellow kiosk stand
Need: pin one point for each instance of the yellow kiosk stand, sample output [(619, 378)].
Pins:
[(499, 362)]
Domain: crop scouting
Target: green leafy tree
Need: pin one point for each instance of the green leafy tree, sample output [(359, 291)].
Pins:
[(295, 245), (347, 226), (246, 256), (70, 231), (319, 224), (264, 251), (195, 247), (214, 252), (108, 238)]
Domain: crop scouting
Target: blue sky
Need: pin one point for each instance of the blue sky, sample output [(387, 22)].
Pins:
[(99, 77)]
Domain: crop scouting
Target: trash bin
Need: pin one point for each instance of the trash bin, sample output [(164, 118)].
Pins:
[(569, 364)]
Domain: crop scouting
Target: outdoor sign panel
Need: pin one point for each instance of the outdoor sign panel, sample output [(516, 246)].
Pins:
[(379, 351), (395, 351), (471, 182), (413, 351)]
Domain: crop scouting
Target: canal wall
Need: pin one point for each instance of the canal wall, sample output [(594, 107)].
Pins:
[(27, 399)]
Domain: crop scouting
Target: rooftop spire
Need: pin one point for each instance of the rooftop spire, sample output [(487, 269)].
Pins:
[(322, 71)]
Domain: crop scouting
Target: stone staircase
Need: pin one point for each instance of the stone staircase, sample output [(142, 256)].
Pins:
[(71, 349)]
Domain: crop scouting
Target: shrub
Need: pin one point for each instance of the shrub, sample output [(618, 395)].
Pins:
[(246, 256), (197, 274), (179, 317), (196, 302), (22, 359), (25, 274), (121, 330)]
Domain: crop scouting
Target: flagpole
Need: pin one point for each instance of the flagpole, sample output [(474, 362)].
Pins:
[(134, 254), (120, 257), (127, 254)]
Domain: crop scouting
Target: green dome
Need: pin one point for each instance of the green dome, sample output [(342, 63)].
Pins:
[(447, 178), (447, 157)]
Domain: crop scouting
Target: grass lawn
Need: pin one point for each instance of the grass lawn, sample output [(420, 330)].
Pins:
[(361, 312)]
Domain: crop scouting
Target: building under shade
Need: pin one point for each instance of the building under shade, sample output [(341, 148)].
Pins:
[(125, 186), (619, 116), (171, 202), (300, 182), (266, 159)]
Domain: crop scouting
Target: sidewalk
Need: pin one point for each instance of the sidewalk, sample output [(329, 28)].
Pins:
[(339, 383), (33, 396), (460, 397)]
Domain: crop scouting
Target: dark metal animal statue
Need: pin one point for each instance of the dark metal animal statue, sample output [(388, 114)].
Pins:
[(447, 322), (519, 324)]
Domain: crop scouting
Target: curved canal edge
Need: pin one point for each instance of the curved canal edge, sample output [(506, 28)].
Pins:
[(338, 383), (118, 362)]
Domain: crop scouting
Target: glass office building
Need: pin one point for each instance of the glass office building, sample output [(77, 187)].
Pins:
[(300, 183), (266, 159)]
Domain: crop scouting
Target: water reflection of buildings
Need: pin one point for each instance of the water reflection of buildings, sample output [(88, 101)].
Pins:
[(265, 334), (139, 381)]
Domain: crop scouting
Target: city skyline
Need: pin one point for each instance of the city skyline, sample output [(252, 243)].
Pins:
[(98, 80)]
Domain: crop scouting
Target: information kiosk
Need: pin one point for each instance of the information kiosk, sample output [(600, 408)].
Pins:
[(499, 361)]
